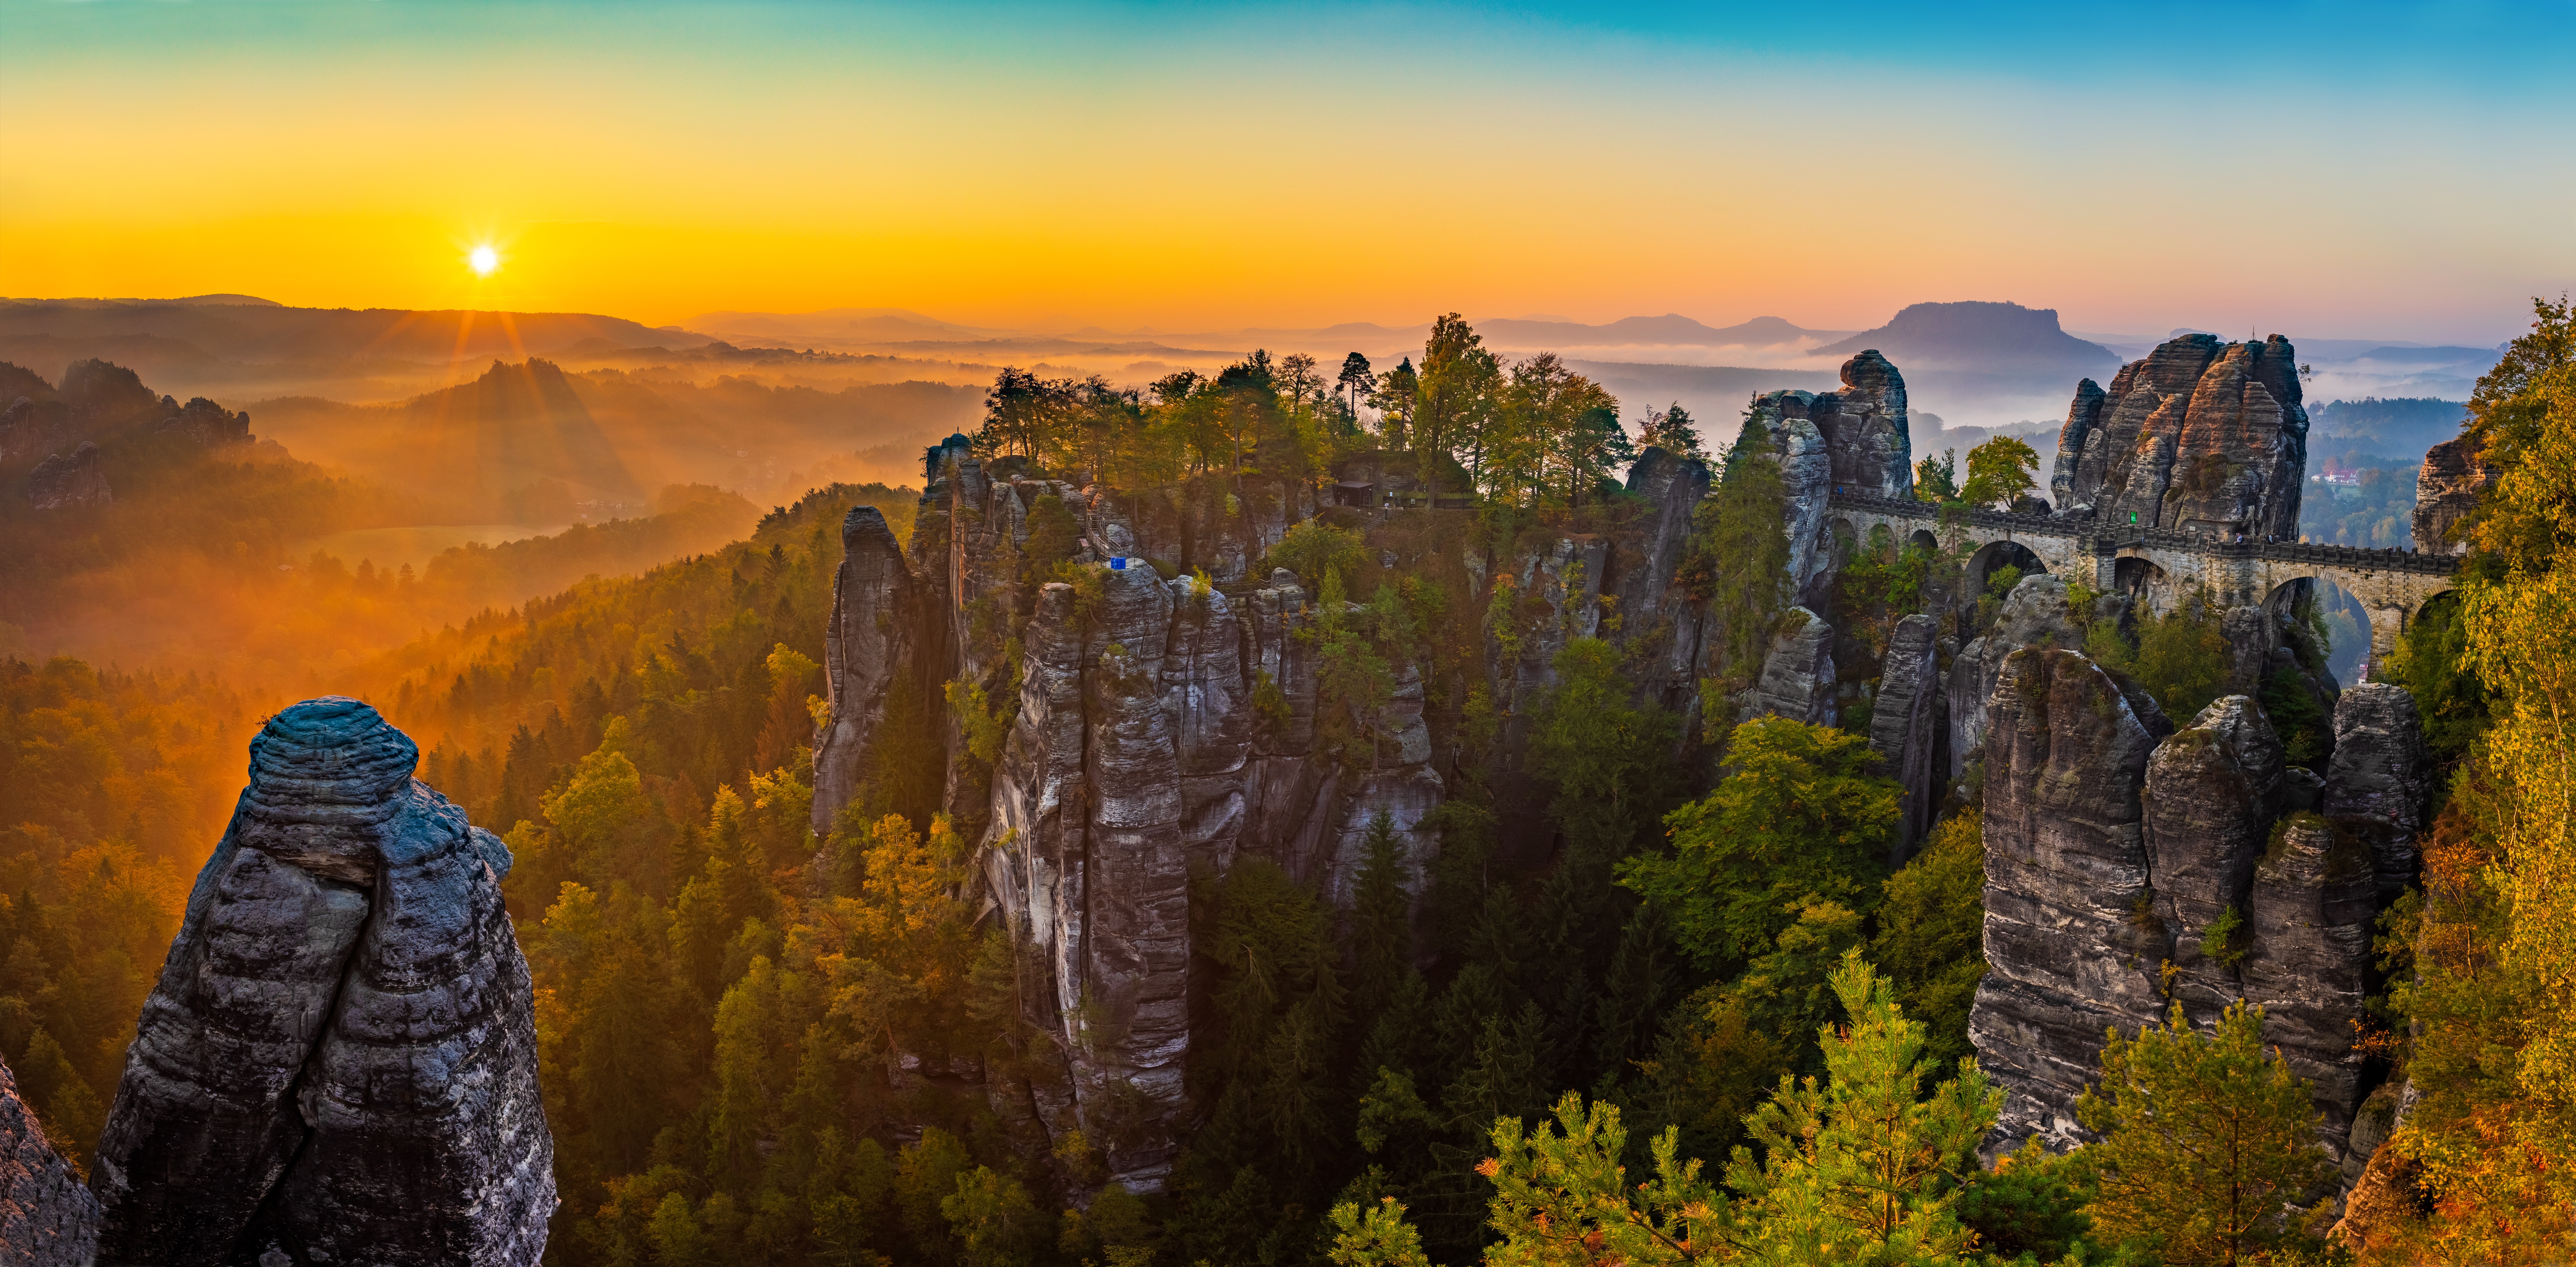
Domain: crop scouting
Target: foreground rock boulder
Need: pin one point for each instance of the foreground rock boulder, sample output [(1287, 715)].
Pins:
[(47, 1219), (339, 1062)]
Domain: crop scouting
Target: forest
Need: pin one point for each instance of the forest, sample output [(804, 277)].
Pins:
[(1707, 1022)]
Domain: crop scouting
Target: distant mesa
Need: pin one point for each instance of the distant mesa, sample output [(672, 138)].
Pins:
[(1981, 336)]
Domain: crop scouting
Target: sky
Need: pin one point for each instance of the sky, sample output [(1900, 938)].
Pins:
[(2327, 170)]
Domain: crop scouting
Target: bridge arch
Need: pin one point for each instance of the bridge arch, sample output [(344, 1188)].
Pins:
[(1994, 556)]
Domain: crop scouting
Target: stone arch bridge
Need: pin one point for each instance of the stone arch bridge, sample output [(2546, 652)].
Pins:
[(2156, 564)]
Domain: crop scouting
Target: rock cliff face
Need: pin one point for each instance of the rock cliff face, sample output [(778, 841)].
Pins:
[(2200, 436), (28, 428), (1155, 727), (1797, 679), (2036, 612), (208, 423), (60, 482), (2072, 943), (2212, 791), (1906, 724), (2379, 786), (339, 1061), (2310, 915), (879, 652), (1856, 439), (47, 1219), (2238, 888), (2447, 488)]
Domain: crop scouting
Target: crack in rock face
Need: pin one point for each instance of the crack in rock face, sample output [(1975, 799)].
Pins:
[(339, 1063)]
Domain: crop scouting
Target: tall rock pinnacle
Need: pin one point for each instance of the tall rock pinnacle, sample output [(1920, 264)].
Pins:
[(339, 1063)]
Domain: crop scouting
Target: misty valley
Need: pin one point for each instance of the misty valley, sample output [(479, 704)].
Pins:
[(854, 788)]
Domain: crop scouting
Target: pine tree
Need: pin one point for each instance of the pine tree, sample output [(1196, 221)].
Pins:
[(2206, 1139), (1863, 1168)]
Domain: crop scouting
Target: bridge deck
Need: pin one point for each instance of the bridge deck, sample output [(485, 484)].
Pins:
[(2391, 560)]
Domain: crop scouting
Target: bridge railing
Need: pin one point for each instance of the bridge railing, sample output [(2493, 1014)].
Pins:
[(1908, 508), (2123, 537)]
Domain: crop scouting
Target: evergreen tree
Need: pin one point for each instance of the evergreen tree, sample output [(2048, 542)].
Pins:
[(1936, 479), (1862, 1168), (1355, 380), (1673, 431), (2207, 1138)]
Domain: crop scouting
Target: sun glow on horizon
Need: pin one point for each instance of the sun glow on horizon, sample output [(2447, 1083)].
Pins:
[(483, 260)]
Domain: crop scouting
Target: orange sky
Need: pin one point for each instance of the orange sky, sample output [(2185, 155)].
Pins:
[(1192, 168)]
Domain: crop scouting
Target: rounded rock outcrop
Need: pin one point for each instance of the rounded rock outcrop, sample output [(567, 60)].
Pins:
[(339, 1061)]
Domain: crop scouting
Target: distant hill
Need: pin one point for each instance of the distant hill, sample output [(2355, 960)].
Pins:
[(890, 325), (1975, 335), (1671, 329), (254, 329)]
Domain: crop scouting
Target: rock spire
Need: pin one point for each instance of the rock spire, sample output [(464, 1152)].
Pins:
[(339, 1062)]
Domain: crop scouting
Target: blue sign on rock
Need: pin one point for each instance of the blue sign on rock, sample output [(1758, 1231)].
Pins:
[(1118, 564)]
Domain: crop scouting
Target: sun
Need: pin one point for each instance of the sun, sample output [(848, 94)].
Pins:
[(483, 260)]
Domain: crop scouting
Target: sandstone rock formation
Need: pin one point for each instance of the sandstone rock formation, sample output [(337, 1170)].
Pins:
[(1856, 440), (879, 651), (59, 482), (2036, 611), (1906, 724), (1649, 606), (2447, 488), (2212, 791), (2379, 786), (2240, 890), (339, 1061), (47, 1219), (1797, 679), (28, 428), (2310, 916), (2200, 436), (1154, 727), (208, 423), (2072, 942)]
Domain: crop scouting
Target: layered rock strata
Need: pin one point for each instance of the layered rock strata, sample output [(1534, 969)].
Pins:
[(2199, 436), (1797, 679), (2379, 786), (1155, 728), (2212, 791), (339, 1061), (2072, 943), (1857, 440), (60, 482), (2241, 891), (1906, 723), (2310, 914), (2447, 488), (2036, 612), (47, 1219)]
